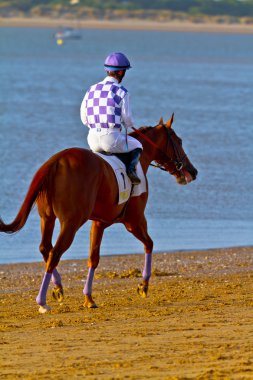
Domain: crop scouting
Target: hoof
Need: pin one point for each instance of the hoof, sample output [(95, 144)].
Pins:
[(58, 294), (44, 309), (142, 290), (89, 303)]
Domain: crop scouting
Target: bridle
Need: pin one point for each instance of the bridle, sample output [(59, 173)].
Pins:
[(179, 162)]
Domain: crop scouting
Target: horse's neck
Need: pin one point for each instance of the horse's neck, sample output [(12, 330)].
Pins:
[(145, 162), (154, 138), (149, 152)]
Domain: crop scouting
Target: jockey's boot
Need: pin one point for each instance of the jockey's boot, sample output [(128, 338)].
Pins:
[(131, 169)]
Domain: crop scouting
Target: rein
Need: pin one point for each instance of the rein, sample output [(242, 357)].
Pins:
[(179, 162), (146, 138)]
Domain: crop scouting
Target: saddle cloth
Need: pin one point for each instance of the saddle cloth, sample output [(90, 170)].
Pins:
[(124, 183)]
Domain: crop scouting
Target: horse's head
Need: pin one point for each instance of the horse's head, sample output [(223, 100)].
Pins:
[(171, 155)]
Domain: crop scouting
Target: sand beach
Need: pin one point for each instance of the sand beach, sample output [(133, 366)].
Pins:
[(196, 322), (127, 24)]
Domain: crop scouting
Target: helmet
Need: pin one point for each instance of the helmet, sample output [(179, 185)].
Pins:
[(116, 62)]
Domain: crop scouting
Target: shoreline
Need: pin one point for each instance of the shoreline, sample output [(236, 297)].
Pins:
[(112, 256), (120, 263), (126, 24), (196, 322)]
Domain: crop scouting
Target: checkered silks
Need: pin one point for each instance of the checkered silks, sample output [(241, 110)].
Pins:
[(103, 105)]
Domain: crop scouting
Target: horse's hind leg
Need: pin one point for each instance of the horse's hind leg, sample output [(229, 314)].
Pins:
[(47, 228), (139, 230), (57, 292), (66, 236)]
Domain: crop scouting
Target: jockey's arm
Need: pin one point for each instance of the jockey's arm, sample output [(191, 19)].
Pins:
[(126, 115)]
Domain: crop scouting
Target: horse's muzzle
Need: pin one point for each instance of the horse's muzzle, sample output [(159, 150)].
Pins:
[(193, 172), (188, 174)]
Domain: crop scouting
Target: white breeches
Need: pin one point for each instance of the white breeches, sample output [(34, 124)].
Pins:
[(111, 141)]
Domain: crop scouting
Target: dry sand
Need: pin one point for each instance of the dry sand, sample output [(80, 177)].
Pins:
[(128, 24), (196, 323)]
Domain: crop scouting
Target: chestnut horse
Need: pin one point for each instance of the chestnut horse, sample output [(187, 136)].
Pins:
[(76, 185)]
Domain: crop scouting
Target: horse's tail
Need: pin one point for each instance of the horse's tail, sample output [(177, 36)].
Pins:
[(36, 187)]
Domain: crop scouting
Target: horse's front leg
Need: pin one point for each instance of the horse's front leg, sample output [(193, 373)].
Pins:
[(139, 230), (96, 235), (142, 288)]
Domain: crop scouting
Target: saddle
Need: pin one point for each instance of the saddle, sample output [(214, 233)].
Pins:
[(130, 161), (123, 157), (118, 163)]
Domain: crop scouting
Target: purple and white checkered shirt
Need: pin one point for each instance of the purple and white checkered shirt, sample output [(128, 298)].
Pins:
[(102, 104)]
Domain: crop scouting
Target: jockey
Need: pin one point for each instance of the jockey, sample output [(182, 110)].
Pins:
[(105, 109)]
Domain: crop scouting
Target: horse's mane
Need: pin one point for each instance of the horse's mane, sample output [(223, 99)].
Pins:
[(141, 129)]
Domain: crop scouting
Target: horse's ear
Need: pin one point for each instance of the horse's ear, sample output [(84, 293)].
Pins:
[(161, 121), (170, 121)]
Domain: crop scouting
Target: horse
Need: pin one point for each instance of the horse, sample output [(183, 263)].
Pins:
[(77, 185)]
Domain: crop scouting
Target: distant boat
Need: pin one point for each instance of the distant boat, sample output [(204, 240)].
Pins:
[(68, 34)]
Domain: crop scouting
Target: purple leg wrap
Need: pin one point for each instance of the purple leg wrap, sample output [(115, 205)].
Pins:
[(56, 278), (88, 285), (41, 297), (147, 267)]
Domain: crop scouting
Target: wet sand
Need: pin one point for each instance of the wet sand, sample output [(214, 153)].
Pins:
[(196, 322), (127, 24)]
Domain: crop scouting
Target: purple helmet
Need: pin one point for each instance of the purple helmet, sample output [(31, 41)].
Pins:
[(116, 62)]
